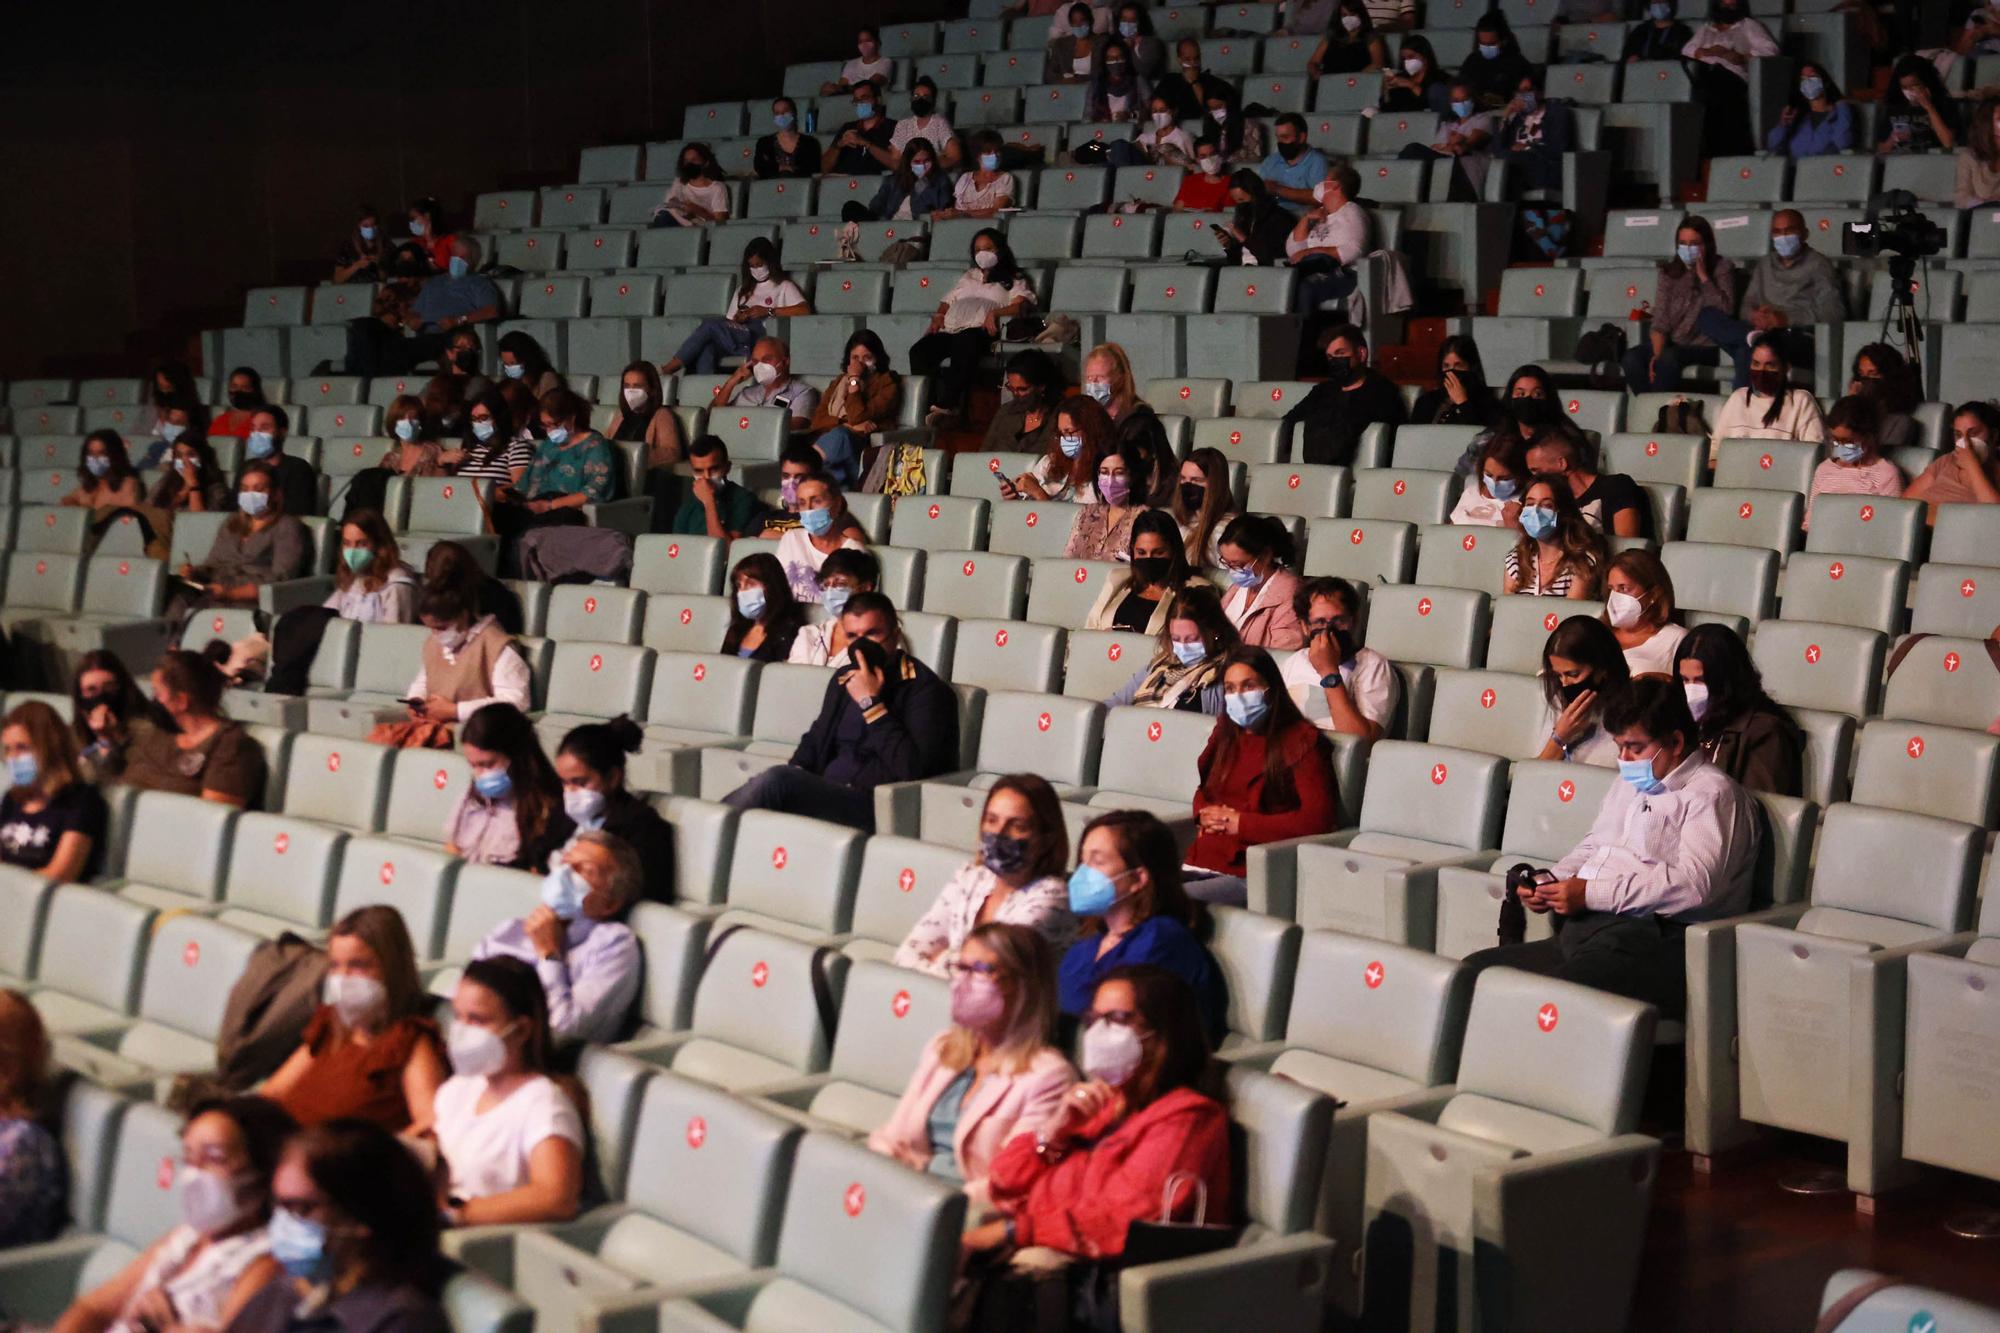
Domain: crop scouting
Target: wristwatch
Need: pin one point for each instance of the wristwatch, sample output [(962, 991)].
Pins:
[(1331, 679)]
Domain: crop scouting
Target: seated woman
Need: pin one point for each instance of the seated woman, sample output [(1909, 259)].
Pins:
[(917, 188), (355, 1215), (863, 399), (523, 361), (245, 392), (1698, 277), (785, 151), (1128, 875), (1770, 407), (1969, 472), (764, 617), (104, 479), (512, 814), (104, 702), (1266, 774), (643, 417), (450, 565), (416, 451), (1884, 374), (1349, 45), (1160, 142), (509, 1139), (1203, 505), (1639, 607), (1079, 1180), (1017, 878), (203, 753), (1415, 82), (1186, 673), (1136, 596), (1117, 91), (1492, 495), (1560, 554), (203, 1271), (1917, 115), (1853, 464), (52, 820), (844, 572), (1816, 121), (1067, 469), (764, 291), (371, 1051), (1660, 37), (992, 1073), (192, 482), (825, 526), (178, 418), (968, 319), (468, 662), (1072, 52), (1108, 380), (371, 583), (573, 467), (1582, 666), (1741, 729), (1978, 161), (699, 196), (31, 1162), (591, 764), (1026, 421), (1256, 555), (493, 451), (259, 544), (1463, 397), (1529, 413), (1103, 530)]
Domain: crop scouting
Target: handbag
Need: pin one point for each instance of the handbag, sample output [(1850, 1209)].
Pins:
[(1166, 1239)]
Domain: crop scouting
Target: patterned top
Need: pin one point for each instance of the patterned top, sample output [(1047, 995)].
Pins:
[(31, 1183), (935, 939), (197, 1281), (579, 466), (1532, 584), (1096, 537)]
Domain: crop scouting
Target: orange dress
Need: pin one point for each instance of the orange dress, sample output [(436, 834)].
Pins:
[(349, 1079)]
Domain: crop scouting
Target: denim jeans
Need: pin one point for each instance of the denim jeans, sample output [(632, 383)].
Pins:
[(704, 349)]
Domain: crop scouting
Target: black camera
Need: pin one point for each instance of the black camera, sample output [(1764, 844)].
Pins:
[(1893, 224)]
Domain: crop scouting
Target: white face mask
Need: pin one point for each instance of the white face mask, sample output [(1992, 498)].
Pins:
[(476, 1052), (1111, 1053), (1163, 118), (1622, 610), (209, 1203), (1977, 446), (764, 372), (1413, 66), (354, 997), (986, 259), (758, 272), (1211, 166), (1697, 697), (636, 399)]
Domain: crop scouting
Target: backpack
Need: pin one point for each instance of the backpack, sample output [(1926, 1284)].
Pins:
[(263, 1020), (1681, 417)]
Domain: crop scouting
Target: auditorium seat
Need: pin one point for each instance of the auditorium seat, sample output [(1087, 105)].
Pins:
[(792, 876), (888, 1016), (764, 1011), (788, 700), (416, 881), (90, 961), (176, 851), (1048, 734)]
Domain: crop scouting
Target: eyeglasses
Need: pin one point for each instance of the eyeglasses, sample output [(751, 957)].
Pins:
[(955, 968), (1118, 1018)]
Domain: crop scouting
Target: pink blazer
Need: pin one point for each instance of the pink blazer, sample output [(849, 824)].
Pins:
[(999, 1107), (1271, 623)]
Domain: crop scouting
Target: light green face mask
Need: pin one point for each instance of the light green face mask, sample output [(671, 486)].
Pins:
[(358, 558)]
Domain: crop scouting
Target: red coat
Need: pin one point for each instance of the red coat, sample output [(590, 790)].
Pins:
[(1239, 786), (1083, 1203)]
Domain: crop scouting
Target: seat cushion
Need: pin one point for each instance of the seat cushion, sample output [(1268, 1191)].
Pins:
[(66, 1014), (1342, 1079), (1517, 1126), (660, 1254), (852, 1107), (727, 1066), (1413, 850), (1884, 932)]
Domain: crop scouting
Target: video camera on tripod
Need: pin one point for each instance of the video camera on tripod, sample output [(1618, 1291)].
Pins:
[(1893, 223)]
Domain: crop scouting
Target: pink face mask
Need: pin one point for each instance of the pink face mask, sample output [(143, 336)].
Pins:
[(977, 1003)]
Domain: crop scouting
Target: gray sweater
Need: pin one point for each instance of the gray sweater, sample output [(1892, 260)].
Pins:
[(1807, 289)]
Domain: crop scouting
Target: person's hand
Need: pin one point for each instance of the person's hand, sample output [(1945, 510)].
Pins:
[(538, 506), (704, 491), (1653, 369), (1966, 461), (937, 322), (865, 427), (1454, 387), (992, 324), (1760, 319), (1312, 68), (1788, 115), (990, 1236), (437, 708), (1510, 514), (1921, 96), (1009, 491), (1323, 651), (1083, 1103), (103, 722), (1563, 897), (187, 572), (1701, 265), (864, 682), (155, 1311), (1315, 214), (1512, 109), (1220, 819), (1574, 720), (544, 930)]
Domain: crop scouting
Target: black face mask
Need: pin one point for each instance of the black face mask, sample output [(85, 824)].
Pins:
[(243, 401), (1291, 151), (1530, 411), (1770, 383), (1192, 495), (1151, 570), (922, 106), (1340, 369), (111, 700), (690, 171), (1570, 691)]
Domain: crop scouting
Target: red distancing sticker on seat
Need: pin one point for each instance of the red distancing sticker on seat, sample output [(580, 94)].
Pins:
[(1044, 722), (1470, 541), (687, 615), (1547, 1016), (907, 880), (1082, 574), (333, 762), (899, 1005), (590, 606), (597, 661), (1835, 570), (282, 843), (1438, 774), (1565, 791), (760, 972), (1292, 482), (1356, 536), (1549, 621), (1034, 517), (440, 779), (854, 1200), (1423, 606), (935, 511), (700, 672), (1000, 638), (778, 858), (387, 874), (163, 1178), (191, 955), (697, 1132), (1812, 654), (1373, 975), (1154, 731), (1915, 747), (1487, 698), (1114, 652), (1951, 661)]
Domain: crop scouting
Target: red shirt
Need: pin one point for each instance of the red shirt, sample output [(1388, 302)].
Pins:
[(231, 423), (1083, 1203), (1241, 784), (1203, 194)]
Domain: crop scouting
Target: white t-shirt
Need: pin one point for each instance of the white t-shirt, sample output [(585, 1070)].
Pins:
[(1477, 508), (765, 297), (802, 560), (937, 129), (1052, 475), (969, 193), (1100, 20), (713, 196), (1169, 145), (1656, 654), (858, 70), (974, 298), (1346, 228), (488, 1154), (1371, 683)]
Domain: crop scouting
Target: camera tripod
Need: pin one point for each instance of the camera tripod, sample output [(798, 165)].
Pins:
[(1902, 312)]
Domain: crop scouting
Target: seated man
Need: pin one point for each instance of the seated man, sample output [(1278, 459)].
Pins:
[(886, 718), (1294, 168), (1325, 245), (798, 461), (270, 428), (1674, 843), (715, 506), (1793, 287), (766, 380), (1615, 504), (1327, 423), (577, 940), (451, 300), (1339, 685)]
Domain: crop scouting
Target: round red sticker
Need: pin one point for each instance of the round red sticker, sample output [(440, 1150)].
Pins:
[(1549, 621), (697, 1132), (1000, 639), (1915, 747), (1546, 1016), (1154, 731), (597, 661), (1044, 722), (907, 880), (1867, 513), (1652, 448), (1438, 774), (590, 606), (854, 1200), (124, 568), (164, 1177), (1835, 570), (1373, 974), (333, 762), (900, 1004), (1236, 437), (1356, 536), (1967, 588), (687, 615), (966, 569), (1423, 606), (282, 843), (1032, 519), (1187, 390), (1951, 661), (760, 972), (935, 511), (1400, 486), (993, 465), (673, 550), (387, 874), (700, 672), (1541, 289), (1469, 542), (1812, 654), (440, 779), (743, 423), (1764, 462), (778, 858), (1114, 652), (1565, 791), (42, 567), (1082, 574), (191, 955), (1487, 698)]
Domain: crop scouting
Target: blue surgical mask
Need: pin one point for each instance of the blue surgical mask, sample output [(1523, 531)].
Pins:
[(482, 430), (1537, 522), (784, 120), (750, 601), (1845, 453), (817, 522), (989, 161), (1246, 709), (1091, 891), (418, 226), (563, 891), (97, 465), (1490, 52), (259, 443), (367, 233), (920, 169), (1528, 103), (22, 770), (1243, 577), (253, 503), (1659, 13), (457, 266), (1639, 772), (1502, 488), (835, 599), (864, 110), (1788, 244), (299, 1246), (1099, 390), (1688, 254), (406, 429), (559, 435), (172, 431), (1128, 30), (1072, 445), (514, 371), (493, 783), (1810, 88), (1461, 109), (1187, 654), (1079, 30)]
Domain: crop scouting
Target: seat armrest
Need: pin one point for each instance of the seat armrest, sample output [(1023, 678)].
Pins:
[(1877, 1006), (726, 1306), (1257, 1055), (633, 517), (1412, 898), (899, 808), (1713, 1096), (289, 594), (641, 1311), (41, 1281), (1272, 870), (488, 1248), (1279, 1283)]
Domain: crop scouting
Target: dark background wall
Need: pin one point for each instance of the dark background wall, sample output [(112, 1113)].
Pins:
[(156, 162)]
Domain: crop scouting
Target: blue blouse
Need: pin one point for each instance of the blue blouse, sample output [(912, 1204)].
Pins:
[(943, 1126), (31, 1183), (1160, 941), (1814, 135)]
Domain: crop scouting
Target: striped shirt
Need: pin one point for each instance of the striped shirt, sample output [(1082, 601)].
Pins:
[(497, 462)]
